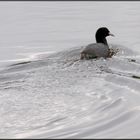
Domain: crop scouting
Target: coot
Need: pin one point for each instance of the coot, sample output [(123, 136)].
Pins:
[(100, 48)]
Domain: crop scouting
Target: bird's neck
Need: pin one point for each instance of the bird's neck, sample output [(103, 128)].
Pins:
[(101, 40)]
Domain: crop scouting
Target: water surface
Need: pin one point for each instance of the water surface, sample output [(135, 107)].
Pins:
[(46, 91)]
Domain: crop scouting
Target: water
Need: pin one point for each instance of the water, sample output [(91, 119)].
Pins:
[(47, 92)]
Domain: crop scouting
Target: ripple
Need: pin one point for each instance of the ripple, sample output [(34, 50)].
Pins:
[(87, 98)]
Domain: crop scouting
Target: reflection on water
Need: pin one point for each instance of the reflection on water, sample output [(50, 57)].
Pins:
[(58, 95)]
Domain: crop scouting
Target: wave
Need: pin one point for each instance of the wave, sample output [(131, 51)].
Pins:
[(61, 96)]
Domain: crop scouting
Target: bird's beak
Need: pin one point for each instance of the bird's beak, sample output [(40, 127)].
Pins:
[(110, 34)]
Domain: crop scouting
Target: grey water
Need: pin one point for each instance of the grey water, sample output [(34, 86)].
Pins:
[(46, 91)]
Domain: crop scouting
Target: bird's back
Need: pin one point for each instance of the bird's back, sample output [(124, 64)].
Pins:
[(96, 50)]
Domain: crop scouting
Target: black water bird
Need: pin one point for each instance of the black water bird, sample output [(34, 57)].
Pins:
[(100, 48)]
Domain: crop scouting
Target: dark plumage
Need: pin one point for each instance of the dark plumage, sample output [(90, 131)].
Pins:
[(100, 48)]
